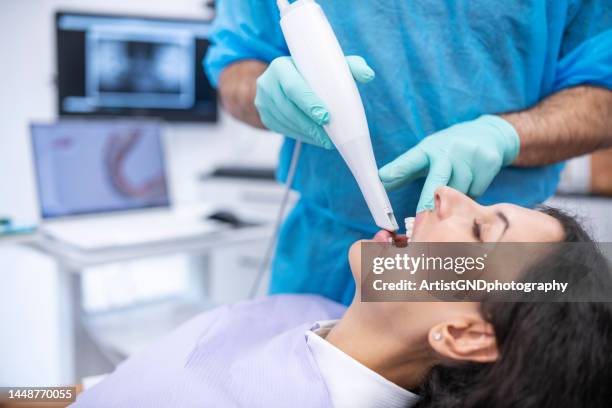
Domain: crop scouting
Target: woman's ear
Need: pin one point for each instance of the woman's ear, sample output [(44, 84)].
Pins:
[(464, 339)]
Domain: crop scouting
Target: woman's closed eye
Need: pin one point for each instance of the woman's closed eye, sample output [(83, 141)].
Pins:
[(476, 231), (493, 229)]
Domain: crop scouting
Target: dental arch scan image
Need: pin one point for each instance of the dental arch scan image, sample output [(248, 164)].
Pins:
[(84, 168), (306, 203)]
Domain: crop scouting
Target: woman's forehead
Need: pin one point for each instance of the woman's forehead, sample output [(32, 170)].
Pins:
[(530, 225)]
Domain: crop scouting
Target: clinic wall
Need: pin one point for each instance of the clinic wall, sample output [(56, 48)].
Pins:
[(27, 94), (30, 340)]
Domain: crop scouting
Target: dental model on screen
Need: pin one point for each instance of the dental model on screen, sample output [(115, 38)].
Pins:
[(319, 58)]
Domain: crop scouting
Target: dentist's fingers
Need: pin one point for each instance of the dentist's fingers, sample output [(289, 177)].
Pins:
[(360, 69), (282, 125), (294, 86), (310, 131), (461, 177), (440, 171), (406, 168), (482, 180), (480, 184)]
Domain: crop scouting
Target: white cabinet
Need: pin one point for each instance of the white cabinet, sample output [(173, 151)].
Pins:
[(234, 270)]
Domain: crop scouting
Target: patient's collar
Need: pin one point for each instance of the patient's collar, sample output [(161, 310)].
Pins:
[(350, 383)]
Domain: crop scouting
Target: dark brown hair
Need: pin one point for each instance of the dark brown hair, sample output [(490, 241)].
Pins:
[(555, 354)]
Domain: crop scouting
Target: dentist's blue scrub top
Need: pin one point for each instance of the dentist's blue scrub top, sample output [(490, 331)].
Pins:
[(437, 63)]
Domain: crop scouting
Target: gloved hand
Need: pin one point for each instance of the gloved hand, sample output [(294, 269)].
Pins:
[(287, 105), (466, 157)]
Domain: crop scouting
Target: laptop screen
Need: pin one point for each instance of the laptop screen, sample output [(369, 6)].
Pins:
[(96, 167)]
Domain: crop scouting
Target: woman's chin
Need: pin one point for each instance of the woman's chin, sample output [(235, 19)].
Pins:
[(354, 257)]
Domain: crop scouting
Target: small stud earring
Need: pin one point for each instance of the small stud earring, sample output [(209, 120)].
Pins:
[(437, 336)]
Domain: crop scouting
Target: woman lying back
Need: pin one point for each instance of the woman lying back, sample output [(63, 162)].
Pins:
[(306, 351)]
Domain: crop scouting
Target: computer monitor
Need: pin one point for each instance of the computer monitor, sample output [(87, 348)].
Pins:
[(90, 167), (120, 65)]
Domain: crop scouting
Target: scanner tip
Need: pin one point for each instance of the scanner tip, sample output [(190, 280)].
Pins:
[(400, 241)]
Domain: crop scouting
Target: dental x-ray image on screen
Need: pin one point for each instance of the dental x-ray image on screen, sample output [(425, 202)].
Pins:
[(133, 66), (140, 71)]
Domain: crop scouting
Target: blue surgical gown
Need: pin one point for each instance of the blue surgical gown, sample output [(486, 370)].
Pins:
[(438, 62)]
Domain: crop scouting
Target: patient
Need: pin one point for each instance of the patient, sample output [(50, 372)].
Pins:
[(288, 351)]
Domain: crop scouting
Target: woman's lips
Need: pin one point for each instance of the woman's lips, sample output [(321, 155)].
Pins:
[(383, 236), (388, 237)]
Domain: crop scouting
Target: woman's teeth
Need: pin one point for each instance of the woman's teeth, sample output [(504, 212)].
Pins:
[(409, 226)]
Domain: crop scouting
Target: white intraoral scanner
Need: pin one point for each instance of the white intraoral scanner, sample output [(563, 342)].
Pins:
[(319, 58)]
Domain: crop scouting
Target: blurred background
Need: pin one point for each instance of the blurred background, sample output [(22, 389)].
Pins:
[(130, 201)]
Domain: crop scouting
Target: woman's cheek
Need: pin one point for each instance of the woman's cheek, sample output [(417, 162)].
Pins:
[(444, 233)]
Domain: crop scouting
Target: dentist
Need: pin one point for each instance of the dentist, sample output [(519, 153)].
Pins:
[(486, 97)]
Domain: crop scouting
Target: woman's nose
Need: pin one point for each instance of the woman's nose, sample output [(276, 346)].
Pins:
[(449, 201)]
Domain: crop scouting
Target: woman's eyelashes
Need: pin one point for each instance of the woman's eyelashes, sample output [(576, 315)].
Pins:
[(476, 231)]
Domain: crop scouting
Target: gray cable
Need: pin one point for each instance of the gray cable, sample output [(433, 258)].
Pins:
[(265, 263)]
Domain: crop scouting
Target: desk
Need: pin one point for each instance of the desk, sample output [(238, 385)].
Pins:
[(83, 357)]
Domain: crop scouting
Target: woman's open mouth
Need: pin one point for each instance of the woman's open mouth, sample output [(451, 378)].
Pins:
[(388, 237)]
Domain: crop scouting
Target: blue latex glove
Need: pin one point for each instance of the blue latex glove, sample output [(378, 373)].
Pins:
[(466, 157), (287, 105)]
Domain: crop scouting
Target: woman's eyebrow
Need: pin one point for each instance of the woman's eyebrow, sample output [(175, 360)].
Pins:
[(504, 219)]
